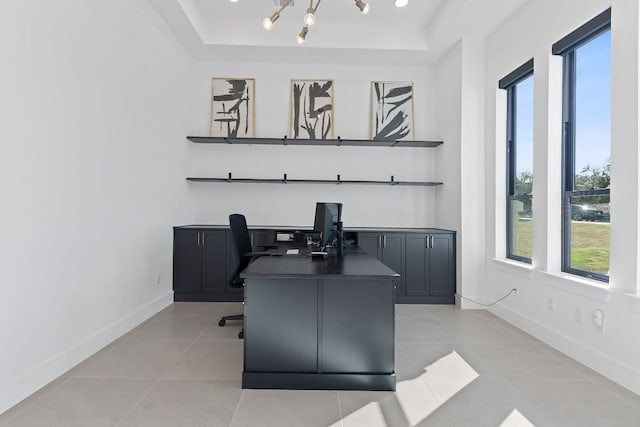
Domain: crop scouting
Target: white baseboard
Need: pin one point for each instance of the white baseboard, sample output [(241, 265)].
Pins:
[(23, 385), (601, 363)]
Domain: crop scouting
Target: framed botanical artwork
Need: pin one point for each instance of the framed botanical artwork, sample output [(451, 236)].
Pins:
[(233, 107), (391, 111), (312, 109)]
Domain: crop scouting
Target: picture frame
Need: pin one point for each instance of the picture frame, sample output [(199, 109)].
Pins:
[(312, 109), (233, 107), (391, 110)]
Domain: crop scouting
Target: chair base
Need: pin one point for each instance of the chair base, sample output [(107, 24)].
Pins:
[(224, 319)]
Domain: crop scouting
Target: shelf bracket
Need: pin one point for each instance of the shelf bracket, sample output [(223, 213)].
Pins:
[(338, 181), (230, 179), (392, 182), (284, 140), (339, 143), (284, 179)]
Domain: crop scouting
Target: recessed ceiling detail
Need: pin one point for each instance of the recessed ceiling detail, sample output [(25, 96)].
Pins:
[(417, 33)]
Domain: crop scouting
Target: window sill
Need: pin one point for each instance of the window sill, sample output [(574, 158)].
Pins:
[(517, 268), (581, 286)]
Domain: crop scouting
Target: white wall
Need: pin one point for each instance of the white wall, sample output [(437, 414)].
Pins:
[(448, 206), (94, 109), (275, 204), (460, 205), (530, 33)]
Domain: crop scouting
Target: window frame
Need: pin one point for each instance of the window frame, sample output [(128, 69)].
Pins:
[(509, 83), (567, 48)]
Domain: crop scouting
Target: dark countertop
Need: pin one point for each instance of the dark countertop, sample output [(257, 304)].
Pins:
[(308, 228), (353, 265)]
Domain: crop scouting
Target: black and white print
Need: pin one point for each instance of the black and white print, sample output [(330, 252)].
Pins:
[(232, 107), (311, 109), (391, 111)]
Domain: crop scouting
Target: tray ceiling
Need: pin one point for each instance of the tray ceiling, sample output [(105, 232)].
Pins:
[(417, 33)]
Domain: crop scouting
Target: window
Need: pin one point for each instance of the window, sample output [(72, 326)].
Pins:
[(519, 87), (586, 148)]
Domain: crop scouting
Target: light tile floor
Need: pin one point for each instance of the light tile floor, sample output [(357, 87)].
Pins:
[(454, 368)]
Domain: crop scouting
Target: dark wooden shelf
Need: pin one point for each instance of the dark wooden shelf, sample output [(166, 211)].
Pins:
[(313, 142), (338, 180)]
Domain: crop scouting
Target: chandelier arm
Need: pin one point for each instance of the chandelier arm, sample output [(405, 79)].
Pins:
[(284, 6), (317, 4)]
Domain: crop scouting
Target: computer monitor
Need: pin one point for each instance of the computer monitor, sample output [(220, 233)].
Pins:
[(328, 223)]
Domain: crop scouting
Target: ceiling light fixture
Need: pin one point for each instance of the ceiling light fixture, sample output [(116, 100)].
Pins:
[(363, 6), (401, 3), (309, 17)]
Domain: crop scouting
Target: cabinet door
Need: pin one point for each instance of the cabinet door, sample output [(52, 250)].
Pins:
[(442, 266), (281, 325), (213, 262), (370, 242), (393, 256), (356, 326), (187, 261), (415, 280)]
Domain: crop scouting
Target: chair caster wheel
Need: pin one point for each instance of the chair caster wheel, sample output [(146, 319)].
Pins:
[(241, 334), (221, 322)]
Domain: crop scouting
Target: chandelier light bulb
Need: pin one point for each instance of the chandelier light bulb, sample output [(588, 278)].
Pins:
[(309, 18), (401, 3), (303, 34), (268, 22)]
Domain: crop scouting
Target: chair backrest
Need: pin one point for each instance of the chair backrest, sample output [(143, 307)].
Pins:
[(241, 237)]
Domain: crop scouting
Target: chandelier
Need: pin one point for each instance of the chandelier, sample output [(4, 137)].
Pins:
[(310, 15)]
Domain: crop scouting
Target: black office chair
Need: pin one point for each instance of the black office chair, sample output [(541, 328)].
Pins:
[(241, 237)]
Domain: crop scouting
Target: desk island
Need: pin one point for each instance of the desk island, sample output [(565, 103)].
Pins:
[(319, 323)]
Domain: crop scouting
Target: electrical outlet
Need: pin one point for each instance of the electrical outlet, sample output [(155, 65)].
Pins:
[(598, 319), (551, 304)]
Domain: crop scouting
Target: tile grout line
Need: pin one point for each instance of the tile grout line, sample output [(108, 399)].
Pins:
[(340, 409), (233, 418), (157, 380)]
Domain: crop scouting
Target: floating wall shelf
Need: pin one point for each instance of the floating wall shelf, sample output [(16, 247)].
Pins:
[(338, 180), (313, 142)]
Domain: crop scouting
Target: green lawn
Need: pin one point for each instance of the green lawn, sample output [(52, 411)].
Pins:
[(590, 250)]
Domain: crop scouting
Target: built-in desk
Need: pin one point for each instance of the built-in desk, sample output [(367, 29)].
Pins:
[(319, 323)]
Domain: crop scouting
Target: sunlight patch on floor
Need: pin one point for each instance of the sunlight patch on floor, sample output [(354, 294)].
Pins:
[(369, 415), (516, 419), (448, 375), (418, 397)]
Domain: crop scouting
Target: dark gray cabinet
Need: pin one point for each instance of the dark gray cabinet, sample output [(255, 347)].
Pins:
[(205, 259), (389, 248), (203, 263), (430, 268)]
